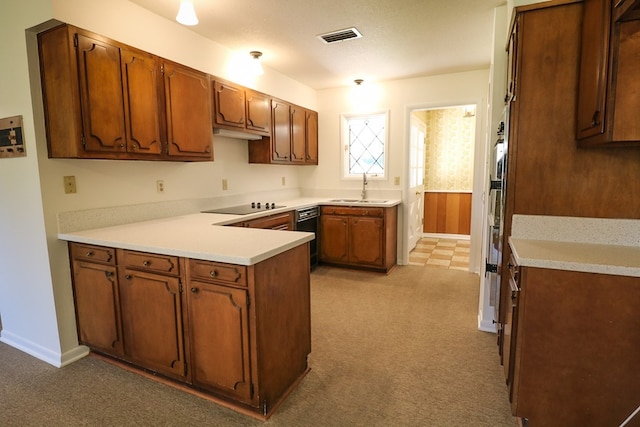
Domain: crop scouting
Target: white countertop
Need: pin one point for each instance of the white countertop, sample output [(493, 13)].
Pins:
[(194, 236), (204, 236), (585, 257), (592, 245)]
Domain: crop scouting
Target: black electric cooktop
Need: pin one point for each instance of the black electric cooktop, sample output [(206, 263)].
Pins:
[(245, 209)]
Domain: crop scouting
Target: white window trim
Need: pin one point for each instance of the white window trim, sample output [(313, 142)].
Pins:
[(344, 146)]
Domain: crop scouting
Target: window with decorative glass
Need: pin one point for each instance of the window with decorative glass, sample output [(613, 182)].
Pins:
[(364, 138)]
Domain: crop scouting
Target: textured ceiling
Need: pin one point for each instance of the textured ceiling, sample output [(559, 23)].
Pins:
[(401, 38)]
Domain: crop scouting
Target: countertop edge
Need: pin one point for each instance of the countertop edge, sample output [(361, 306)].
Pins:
[(580, 257)]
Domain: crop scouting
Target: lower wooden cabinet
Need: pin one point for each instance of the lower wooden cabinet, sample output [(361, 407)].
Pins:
[(358, 236), (152, 318), (97, 297), (239, 333), (576, 349), (280, 221), (220, 339)]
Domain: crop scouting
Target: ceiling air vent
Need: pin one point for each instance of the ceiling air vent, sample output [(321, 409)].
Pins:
[(340, 35)]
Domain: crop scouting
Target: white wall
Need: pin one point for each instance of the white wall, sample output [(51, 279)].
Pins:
[(399, 97), (26, 297)]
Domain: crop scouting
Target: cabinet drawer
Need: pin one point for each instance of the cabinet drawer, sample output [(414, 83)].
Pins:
[(218, 272), (351, 210), (93, 253), (165, 264)]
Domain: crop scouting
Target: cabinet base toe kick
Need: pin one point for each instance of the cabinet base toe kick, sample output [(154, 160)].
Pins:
[(262, 412)]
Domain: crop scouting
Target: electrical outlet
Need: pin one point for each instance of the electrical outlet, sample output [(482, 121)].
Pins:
[(160, 186), (225, 184), (284, 181), (70, 184), (396, 180)]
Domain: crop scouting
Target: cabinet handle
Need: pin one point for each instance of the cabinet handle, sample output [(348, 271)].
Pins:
[(513, 295), (595, 120), (194, 290), (146, 263), (213, 273), (90, 253)]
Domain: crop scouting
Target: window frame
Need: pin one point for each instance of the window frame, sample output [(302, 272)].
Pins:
[(344, 145)]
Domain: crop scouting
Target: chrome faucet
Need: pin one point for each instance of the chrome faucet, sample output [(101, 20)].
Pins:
[(363, 195)]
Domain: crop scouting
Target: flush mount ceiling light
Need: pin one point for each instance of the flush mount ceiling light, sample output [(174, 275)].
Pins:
[(358, 81), (187, 14), (256, 64)]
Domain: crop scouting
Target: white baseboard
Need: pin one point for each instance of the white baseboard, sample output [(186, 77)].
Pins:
[(447, 236), (46, 355)]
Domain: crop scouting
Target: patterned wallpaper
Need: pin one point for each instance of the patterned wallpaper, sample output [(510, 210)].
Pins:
[(449, 149)]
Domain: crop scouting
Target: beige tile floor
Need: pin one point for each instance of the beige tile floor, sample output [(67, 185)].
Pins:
[(441, 253)]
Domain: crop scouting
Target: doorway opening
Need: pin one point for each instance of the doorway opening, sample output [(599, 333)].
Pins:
[(441, 180)]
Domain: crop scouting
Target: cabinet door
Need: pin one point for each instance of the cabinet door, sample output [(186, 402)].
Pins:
[(142, 82), (311, 130), (188, 111), (152, 321), (229, 105), (298, 134), (258, 112), (281, 135), (219, 337), (334, 238), (101, 95), (366, 241), (97, 300), (594, 68)]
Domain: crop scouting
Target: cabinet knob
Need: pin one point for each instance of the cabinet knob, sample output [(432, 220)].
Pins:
[(213, 273), (513, 295), (90, 253), (128, 277), (146, 263), (194, 290), (108, 273)]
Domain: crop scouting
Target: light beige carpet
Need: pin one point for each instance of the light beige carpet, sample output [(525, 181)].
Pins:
[(396, 350)]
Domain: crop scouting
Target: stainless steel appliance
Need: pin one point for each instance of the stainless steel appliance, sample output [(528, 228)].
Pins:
[(495, 218), (307, 219), (246, 209)]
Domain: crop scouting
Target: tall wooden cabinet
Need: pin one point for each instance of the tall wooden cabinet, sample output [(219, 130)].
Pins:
[(107, 100), (549, 174)]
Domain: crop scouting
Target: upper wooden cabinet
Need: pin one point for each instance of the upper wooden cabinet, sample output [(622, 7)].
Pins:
[(609, 91), (188, 111), (241, 109), (294, 137), (105, 100)]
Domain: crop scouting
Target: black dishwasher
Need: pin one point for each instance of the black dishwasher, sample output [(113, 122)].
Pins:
[(307, 220)]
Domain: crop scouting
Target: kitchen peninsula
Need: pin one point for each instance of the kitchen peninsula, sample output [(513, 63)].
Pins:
[(220, 310)]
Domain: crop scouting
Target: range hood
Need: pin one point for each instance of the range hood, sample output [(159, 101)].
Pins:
[(236, 134)]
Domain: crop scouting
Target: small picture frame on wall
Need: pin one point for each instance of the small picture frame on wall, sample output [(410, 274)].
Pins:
[(11, 137)]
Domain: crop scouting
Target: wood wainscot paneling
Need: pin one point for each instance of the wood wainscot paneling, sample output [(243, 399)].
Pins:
[(447, 213)]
